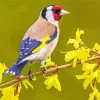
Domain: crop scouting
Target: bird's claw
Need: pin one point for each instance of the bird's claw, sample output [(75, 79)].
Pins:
[(30, 75), (44, 71), (18, 78)]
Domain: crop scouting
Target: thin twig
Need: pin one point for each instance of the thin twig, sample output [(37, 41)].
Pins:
[(47, 71), (92, 50), (17, 86), (94, 83), (96, 52)]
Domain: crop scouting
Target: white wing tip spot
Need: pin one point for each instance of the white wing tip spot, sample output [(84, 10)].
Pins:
[(7, 72), (11, 72)]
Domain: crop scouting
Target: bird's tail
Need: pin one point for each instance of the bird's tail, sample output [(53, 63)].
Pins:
[(16, 69)]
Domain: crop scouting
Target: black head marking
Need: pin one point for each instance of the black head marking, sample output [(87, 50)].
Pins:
[(43, 13), (55, 9)]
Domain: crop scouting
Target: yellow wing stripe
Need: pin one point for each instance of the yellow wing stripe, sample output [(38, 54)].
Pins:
[(43, 44)]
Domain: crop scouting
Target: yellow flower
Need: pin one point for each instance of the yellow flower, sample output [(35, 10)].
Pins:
[(8, 93), (97, 47), (76, 42), (87, 66), (69, 56), (48, 62), (2, 69), (27, 84), (88, 81), (16, 97), (81, 54), (53, 81), (88, 75), (74, 62), (98, 77), (94, 94), (83, 76), (78, 34)]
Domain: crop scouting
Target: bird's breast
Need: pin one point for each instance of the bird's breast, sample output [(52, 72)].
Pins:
[(48, 49)]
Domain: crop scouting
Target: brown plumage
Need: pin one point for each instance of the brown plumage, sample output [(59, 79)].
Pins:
[(40, 29)]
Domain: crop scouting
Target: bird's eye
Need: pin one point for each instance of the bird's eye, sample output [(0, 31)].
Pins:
[(56, 11)]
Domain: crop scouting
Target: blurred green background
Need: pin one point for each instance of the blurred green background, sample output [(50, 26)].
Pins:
[(16, 16)]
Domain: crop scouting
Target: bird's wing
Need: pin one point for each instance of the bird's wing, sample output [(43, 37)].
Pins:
[(30, 46)]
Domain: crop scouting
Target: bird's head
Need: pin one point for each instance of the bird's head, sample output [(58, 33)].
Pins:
[(53, 13)]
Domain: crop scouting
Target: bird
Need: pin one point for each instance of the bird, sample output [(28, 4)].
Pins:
[(40, 39)]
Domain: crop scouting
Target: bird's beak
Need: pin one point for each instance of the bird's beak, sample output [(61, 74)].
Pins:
[(64, 12)]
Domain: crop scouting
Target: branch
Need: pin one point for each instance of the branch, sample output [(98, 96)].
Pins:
[(47, 71)]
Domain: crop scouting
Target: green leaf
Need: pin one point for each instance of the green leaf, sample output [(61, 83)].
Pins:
[(97, 47), (69, 56), (26, 83)]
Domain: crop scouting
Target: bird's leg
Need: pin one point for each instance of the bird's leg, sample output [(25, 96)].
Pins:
[(44, 68), (30, 73)]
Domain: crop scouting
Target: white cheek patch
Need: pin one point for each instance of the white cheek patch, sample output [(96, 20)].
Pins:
[(49, 8), (49, 16)]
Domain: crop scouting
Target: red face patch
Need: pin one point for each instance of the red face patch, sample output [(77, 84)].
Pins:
[(56, 12), (56, 17), (56, 7)]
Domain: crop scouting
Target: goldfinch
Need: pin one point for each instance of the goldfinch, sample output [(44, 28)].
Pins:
[(40, 39)]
